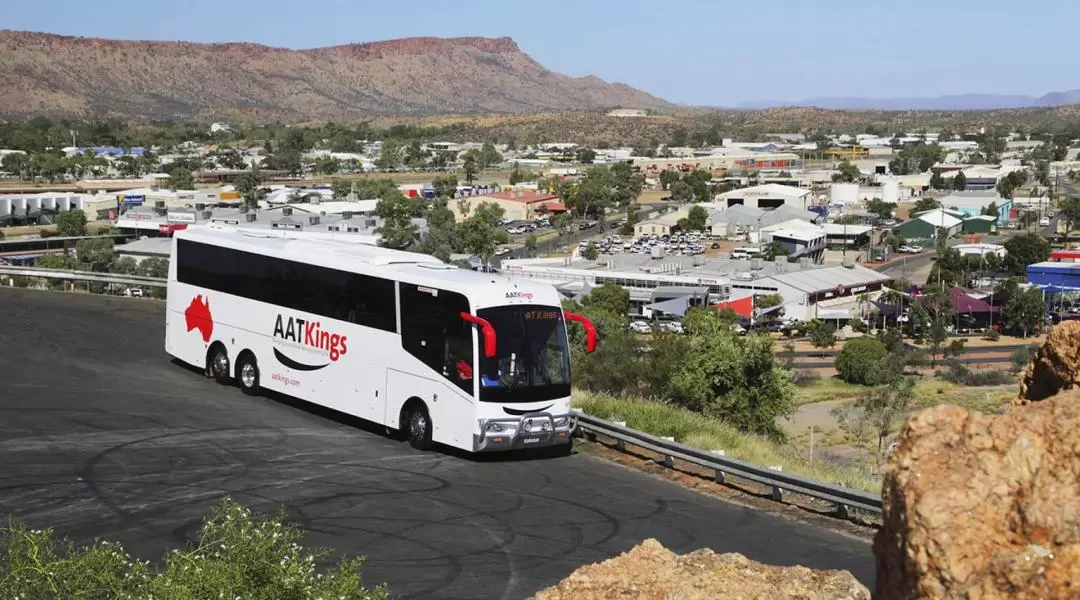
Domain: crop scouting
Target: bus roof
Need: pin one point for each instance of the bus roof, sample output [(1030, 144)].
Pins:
[(486, 289)]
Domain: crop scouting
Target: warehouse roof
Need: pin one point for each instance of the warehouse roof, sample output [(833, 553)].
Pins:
[(766, 190), (829, 278)]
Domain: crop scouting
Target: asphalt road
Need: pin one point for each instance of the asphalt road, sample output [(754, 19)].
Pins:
[(102, 435)]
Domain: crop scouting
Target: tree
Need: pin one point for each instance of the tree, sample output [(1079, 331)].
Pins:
[(327, 165), (471, 168), (959, 181), (990, 210), (880, 208), (937, 182), (697, 218), (1023, 250), (445, 186), (823, 336), (125, 265), (181, 179), (489, 156), (590, 252), (924, 204), (1070, 211), (530, 243), (441, 240), (1025, 311), (847, 172), (71, 223), (397, 229), (861, 361), (668, 177), (733, 378), (95, 254), (248, 184), (480, 233), (389, 156), (153, 267), (884, 408), (586, 156), (236, 554), (609, 297)]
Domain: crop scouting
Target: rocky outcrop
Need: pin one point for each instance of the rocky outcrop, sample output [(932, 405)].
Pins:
[(54, 75), (651, 572), (1056, 366), (987, 507)]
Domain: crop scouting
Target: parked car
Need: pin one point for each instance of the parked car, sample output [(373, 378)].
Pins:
[(672, 326), (640, 327)]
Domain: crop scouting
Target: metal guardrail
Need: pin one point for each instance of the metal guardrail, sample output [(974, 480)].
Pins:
[(130, 280), (845, 499)]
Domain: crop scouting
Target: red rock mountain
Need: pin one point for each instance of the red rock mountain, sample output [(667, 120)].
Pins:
[(72, 76)]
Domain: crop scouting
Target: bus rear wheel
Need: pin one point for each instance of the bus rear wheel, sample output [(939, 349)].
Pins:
[(217, 364), (419, 428), (247, 373)]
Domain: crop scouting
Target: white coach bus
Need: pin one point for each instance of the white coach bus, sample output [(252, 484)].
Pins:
[(475, 361)]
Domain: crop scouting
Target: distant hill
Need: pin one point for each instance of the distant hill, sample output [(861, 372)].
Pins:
[(955, 102), (53, 75)]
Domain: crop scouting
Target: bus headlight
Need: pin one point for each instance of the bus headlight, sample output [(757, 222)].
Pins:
[(546, 426), (526, 425), (562, 422), (494, 427)]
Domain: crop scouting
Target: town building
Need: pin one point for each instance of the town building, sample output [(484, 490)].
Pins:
[(925, 225), (1055, 277), (771, 195), (31, 209), (517, 204), (971, 203), (983, 224), (827, 293)]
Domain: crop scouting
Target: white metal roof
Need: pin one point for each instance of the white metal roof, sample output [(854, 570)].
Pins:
[(802, 235), (828, 278), (766, 190), (939, 218)]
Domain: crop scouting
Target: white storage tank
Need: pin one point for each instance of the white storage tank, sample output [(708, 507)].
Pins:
[(33, 203), (844, 193), (5, 206), (890, 192), (77, 202), (63, 204), (48, 202), (18, 206)]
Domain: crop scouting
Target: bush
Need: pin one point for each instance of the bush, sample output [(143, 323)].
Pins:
[(961, 375), (860, 360), (992, 335), (239, 554)]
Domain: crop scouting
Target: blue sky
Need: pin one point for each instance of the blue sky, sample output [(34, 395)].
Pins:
[(702, 52)]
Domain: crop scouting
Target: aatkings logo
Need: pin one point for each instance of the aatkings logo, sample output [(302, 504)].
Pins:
[(309, 337), (519, 295)]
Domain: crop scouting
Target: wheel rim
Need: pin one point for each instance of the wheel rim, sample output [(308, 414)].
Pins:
[(221, 363), (418, 426), (247, 375)]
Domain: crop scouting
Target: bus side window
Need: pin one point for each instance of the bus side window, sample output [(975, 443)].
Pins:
[(433, 331)]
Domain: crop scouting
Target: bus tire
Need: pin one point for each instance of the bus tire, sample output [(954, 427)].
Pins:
[(247, 373), (217, 364), (418, 427)]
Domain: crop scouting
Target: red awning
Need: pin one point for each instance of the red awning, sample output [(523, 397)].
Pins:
[(553, 206), (744, 307)]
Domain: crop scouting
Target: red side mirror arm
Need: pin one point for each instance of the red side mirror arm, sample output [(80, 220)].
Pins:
[(486, 329), (590, 329)]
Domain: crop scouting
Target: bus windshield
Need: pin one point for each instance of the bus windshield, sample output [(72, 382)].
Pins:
[(532, 361)]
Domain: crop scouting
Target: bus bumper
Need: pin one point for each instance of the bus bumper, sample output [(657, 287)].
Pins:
[(530, 431)]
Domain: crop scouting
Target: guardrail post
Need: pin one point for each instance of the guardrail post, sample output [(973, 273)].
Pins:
[(777, 492), (619, 444), (844, 511), (669, 461)]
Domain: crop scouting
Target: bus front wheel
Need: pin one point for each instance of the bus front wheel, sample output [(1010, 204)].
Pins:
[(217, 364), (247, 373), (419, 428)]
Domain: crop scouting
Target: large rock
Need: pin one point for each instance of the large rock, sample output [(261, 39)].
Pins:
[(651, 572), (984, 506), (1056, 366)]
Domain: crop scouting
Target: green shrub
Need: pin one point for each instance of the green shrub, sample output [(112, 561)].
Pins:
[(860, 360), (992, 335), (961, 375), (239, 554)]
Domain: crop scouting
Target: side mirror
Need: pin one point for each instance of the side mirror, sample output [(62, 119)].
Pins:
[(486, 329), (590, 329)]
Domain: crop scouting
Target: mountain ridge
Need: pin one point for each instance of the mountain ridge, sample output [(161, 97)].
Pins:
[(73, 76), (968, 101)]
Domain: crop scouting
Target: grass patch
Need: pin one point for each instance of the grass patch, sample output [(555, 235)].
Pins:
[(692, 429)]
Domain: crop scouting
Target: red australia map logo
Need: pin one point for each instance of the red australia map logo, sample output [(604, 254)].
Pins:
[(198, 317)]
